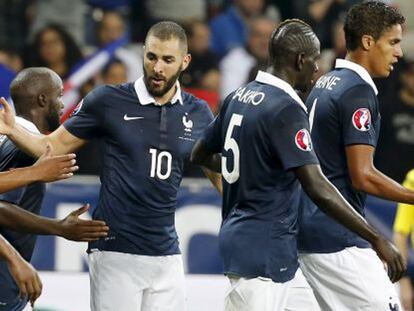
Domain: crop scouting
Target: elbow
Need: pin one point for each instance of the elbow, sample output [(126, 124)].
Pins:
[(360, 182)]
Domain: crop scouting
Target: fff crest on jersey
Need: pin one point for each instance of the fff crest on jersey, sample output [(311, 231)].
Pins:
[(77, 108), (303, 140), (361, 119)]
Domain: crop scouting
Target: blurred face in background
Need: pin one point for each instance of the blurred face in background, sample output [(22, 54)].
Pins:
[(199, 42), (116, 73), (250, 7), (111, 28), (52, 48), (260, 31)]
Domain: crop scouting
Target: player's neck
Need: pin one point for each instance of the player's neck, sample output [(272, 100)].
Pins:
[(284, 74), (37, 120), (360, 59), (162, 100)]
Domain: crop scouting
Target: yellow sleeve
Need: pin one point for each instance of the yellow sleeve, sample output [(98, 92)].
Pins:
[(404, 219)]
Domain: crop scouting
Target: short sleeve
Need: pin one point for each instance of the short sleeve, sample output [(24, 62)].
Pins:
[(87, 118), (404, 219), (290, 137), (358, 116), (212, 135)]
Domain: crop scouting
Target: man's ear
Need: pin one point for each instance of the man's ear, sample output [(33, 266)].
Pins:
[(186, 61), (300, 61), (41, 100), (367, 42)]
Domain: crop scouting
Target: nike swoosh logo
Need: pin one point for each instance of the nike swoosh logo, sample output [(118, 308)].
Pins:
[(126, 118)]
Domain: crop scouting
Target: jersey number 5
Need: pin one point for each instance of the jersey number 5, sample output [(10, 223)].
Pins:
[(231, 144), (159, 160)]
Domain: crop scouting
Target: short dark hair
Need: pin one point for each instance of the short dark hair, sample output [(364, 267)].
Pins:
[(291, 37), (369, 18), (166, 30)]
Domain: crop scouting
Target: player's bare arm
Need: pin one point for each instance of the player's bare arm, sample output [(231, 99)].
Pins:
[(201, 156), (48, 168), (366, 178), (61, 140), (23, 273), (71, 227), (328, 198)]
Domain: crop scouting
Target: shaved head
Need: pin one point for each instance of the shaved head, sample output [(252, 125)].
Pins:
[(39, 89)]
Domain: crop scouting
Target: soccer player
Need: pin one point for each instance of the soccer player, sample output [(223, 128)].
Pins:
[(36, 93), (262, 132), (146, 132), (345, 115)]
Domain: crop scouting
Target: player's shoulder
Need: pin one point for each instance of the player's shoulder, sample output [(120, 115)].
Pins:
[(106, 91), (195, 102)]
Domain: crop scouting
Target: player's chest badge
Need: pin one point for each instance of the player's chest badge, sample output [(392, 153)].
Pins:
[(187, 128)]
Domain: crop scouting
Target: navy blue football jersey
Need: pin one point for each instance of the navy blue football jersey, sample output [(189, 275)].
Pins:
[(30, 198), (143, 147), (262, 132), (343, 111)]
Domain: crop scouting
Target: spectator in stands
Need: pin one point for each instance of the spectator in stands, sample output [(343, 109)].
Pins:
[(69, 13), (115, 72), (321, 15), (202, 73), (236, 67), (53, 47), (112, 27), (403, 229), (229, 29), (397, 128)]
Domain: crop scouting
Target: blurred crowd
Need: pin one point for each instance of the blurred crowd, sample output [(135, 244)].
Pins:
[(227, 40)]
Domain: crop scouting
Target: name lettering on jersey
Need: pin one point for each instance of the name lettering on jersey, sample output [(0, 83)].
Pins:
[(247, 96), (327, 82)]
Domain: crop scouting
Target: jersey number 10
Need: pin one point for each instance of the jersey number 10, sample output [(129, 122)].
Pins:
[(231, 144), (160, 160)]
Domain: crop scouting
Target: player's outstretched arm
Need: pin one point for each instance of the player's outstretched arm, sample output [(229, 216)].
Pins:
[(47, 168), (35, 144), (71, 227), (330, 201), (23, 273), (366, 178)]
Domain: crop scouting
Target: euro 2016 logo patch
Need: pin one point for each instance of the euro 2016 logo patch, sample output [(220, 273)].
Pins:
[(303, 140), (77, 108), (361, 119)]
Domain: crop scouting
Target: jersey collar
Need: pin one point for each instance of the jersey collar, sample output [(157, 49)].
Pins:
[(146, 98), (267, 78), (361, 71), (30, 126)]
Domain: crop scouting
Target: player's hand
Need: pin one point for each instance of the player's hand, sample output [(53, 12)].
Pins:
[(26, 279), (7, 120), (76, 229), (406, 294), (390, 254), (50, 168)]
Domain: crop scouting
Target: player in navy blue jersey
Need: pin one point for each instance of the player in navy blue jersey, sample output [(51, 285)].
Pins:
[(36, 93), (345, 115), (146, 131), (262, 133)]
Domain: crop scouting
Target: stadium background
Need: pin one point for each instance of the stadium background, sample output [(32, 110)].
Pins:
[(90, 42)]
